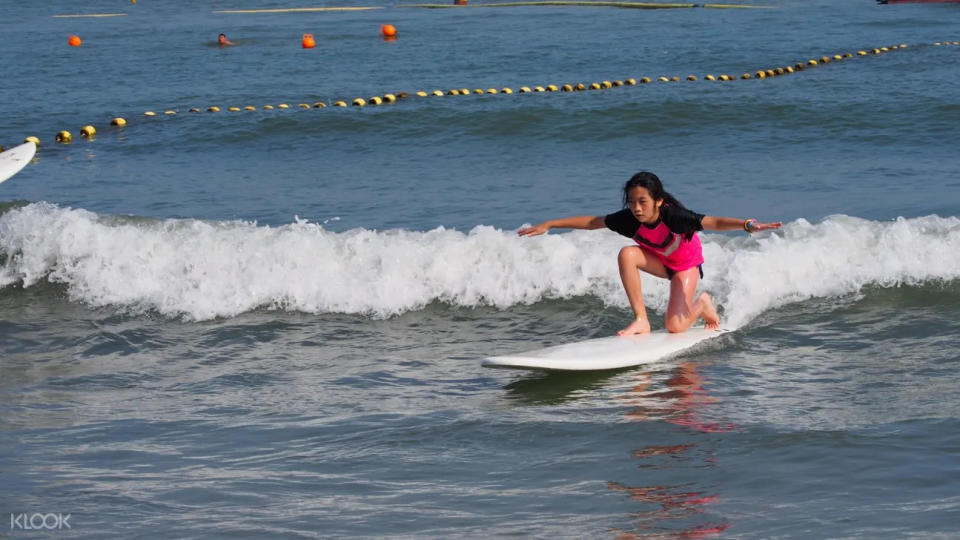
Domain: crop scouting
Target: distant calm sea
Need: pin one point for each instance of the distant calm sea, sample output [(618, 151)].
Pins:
[(268, 323)]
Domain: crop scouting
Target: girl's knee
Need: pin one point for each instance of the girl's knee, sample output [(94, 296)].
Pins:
[(629, 254)]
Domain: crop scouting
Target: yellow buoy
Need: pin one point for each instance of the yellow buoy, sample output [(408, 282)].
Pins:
[(861, 53), (617, 83), (875, 51), (847, 55), (567, 88), (64, 137), (32, 139), (359, 102), (663, 79), (884, 49), (552, 88), (492, 91), (303, 105), (606, 84), (453, 92), (268, 107), (319, 105), (761, 74), (710, 78), (645, 80), (788, 69), (524, 89), (149, 113), (389, 98), (464, 91), (595, 86), (580, 87), (630, 82), (771, 73), (283, 106), (88, 131), (213, 109), (478, 90), (169, 112), (421, 93), (812, 62), (119, 122), (375, 100), (249, 108), (746, 76), (339, 103), (837, 57), (233, 109), (437, 93), (725, 77), (691, 77), (506, 90), (539, 89), (194, 109)]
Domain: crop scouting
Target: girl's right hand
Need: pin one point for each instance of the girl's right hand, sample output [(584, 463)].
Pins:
[(534, 231)]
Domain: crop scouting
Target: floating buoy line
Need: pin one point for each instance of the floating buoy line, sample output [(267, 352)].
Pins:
[(574, 3), (89, 131), (457, 4)]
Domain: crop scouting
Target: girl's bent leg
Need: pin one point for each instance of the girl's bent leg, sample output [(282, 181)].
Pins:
[(631, 260), (683, 311)]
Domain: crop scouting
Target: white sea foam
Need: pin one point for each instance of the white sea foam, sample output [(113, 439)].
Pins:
[(200, 270)]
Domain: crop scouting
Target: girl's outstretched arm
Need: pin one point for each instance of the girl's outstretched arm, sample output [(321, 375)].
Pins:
[(713, 223), (578, 222)]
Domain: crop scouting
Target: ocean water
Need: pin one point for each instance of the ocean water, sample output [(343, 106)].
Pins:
[(269, 323)]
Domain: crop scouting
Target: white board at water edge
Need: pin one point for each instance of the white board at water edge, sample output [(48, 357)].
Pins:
[(16, 158), (606, 353)]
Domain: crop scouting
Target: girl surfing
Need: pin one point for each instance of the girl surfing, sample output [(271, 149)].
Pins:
[(667, 246)]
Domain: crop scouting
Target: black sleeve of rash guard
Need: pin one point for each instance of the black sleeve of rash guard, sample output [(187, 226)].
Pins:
[(681, 220), (623, 222)]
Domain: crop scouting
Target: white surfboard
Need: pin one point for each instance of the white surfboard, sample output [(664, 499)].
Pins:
[(606, 353), (16, 158)]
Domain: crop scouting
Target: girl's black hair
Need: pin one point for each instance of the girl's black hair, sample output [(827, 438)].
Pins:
[(651, 183)]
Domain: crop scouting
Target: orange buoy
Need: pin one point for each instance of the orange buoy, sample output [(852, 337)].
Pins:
[(74, 41), (459, 2), (388, 30), (308, 42)]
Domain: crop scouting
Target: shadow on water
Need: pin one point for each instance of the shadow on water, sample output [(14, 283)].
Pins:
[(557, 387)]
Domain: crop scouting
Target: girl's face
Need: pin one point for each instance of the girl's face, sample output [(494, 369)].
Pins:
[(644, 207)]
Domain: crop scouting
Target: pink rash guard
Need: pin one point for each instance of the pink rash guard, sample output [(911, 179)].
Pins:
[(672, 239)]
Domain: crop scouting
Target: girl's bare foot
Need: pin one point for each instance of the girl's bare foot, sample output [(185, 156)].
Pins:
[(639, 326), (710, 318)]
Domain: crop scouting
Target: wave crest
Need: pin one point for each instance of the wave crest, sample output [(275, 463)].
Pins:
[(200, 270)]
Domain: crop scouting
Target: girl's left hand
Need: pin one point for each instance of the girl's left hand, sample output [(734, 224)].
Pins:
[(756, 226)]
